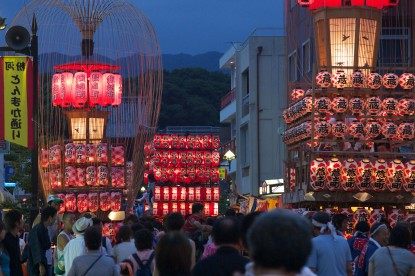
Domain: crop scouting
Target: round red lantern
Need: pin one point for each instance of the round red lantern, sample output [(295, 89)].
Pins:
[(322, 105), (406, 107), (334, 174), (322, 129), (339, 129), (339, 105), (356, 106), (390, 106), (318, 174), (339, 79), (381, 169), (66, 89), (80, 90), (376, 216), (93, 202), (406, 131), (116, 201), (297, 94), (357, 130), (373, 129), (365, 175), (70, 176), (70, 153), (104, 201), (82, 203), (373, 105), (80, 177), (407, 81), (357, 79), (390, 80), (70, 203), (390, 130), (395, 176), (349, 174), (91, 176), (374, 81), (323, 79), (409, 177)]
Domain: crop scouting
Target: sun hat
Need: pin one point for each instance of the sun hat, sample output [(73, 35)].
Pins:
[(81, 225), (54, 199)]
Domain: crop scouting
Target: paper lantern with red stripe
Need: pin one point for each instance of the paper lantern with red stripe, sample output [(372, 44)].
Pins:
[(395, 216), (318, 171), (82, 203), (216, 193), (116, 201), (182, 193), (182, 208), (406, 107), (70, 176), (90, 153), (102, 153), (55, 179), (57, 93), (79, 90), (107, 94), (80, 153), (102, 175), (117, 90), (322, 105), (390, 130), (357, 130), (376, 215), (297, 94), (339, 129), (70, 203), (406, 131), (322, 129), (117, 155), (104, 201), (358, 79), (409, 177), (339, 104), (334, 167), (365, 175), (407, 81), (44, 158), (61, 206), (395, 176), (390, 106), (340, 79), (373, 129), (356, 106), (91, 176), (80, 177), (374, 81), (323, 79), (93, 202), (349, 173), (165, 208), (373, 105), (215, 158), (95, 88), (55, 155), (70, 153), (381, 169), (191, 194), (390, 80), (117, 177)]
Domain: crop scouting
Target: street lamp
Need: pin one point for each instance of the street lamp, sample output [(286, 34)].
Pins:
[(2, 23), (229, 156)]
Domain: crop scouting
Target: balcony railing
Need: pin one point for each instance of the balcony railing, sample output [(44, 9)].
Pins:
[(227, 99), (230, 145), (245, 105)]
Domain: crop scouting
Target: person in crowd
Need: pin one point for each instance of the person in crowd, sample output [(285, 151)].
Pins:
[(279, 244), (124, 247), (76, 247), (412, 247), (39, 242), (13, 221), (230, 212), (227, 259), (340, 222), (105, 243), (94, 262), (4, 256), (330, 254), (359, 239), (174, 255), (195, 228), (394, 259), (62, 240), (379, 236), (209, 248), (131, 220), (143, 259), (246, 223)]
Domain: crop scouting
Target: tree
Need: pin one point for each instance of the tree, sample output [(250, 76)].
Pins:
[(20, 159)]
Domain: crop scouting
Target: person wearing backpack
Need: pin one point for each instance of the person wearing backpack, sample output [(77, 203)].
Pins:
[(141, 263)]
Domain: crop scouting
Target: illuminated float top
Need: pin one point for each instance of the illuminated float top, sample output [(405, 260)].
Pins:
[(317, 4)]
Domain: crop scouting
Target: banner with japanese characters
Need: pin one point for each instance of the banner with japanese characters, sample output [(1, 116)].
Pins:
[(16, 100)]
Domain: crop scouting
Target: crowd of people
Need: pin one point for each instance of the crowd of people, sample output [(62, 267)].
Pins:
[(280, 242)]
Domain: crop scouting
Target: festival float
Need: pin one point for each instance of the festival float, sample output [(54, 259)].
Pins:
[(186, 169), (350, 133), (99, 100)]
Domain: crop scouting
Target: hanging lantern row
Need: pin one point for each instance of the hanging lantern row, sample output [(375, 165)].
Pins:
[(372, 106), (186, 193), (161, 209), (174, 141), (185, 158), (298, 133), (317, 4), (82, 154), (91, 202), (374, 81), (201, 175), (90, 176), (362, 175), (78, 90)]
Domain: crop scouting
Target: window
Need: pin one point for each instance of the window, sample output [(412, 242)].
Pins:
[(306, 61), (292, 67), (245, 82), (394, 47), (244, 146)]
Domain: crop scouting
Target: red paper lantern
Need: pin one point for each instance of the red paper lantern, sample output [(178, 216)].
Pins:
[(55, 155), (183, 208), (102, 153), (390, 130), (358, 79), (395, 176), (91, 176), (70, 176), (297, 94), (322, 105), (215, 158), (191, 194), (165, 209), (55, 179), (390, 106), (215, 142), (334, 174), (357, 130), (373, 129), (339, 129), (62, 89), (116, 201), (104, 201), (80, 177), (322, 129), (70, 203), (374, 81), (95, 88), (390, 80), (70, 153), (80, 153), (117, 90), (117, 155), (407, 81), (80, 90), (373, 105), (349, 174), (381, 168), (207, 141), (395, 216), (117, 177), (216, 193), (166, 194), (198, 158), (82, 203), (102, 175), (44, 158), (339, 105), (318, 171), (93, 202), (409, 180), (90, 153), (365, 175), (182, 193), (57, 91), (214, 175), (107, 94), (356, 106), (340, 79), (406, 131), (376, 216), (323, 79)]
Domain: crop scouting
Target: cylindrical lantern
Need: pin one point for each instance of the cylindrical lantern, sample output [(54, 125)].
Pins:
[(102, 153), (373, 105), (318, 174), (107, 94), (95, 88), (44, 158), (340, 79), (90, 153), (339, 105), (406, 131), (406, 107), (70, 176), (66, 88), (79, 92), (117, 90), (216, 194), (322, 105), (373, 129), (182, 193), (117, 177), (191, 194), (374, 81), (297, 94), (55, 179), (356, 106), (365, 175), (395, 176), (104, 201), (390, 130), (117, 155), (407, 81), (93, 202), (323, 79), (91, 176), (357, 79), (390, 106), (70, 203), (82, 203), (55, 155), (116, 201), (334, 174), (339, 129), (357, 130), (381, 168), (80, 177), (390, 80), (102, 175), (409, 177), (215, 142), (57, 90), (322, 129), (349, 174), (80, 153), (70, 153)]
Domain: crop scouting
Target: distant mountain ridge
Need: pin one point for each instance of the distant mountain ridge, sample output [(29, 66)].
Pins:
[(208, 60)]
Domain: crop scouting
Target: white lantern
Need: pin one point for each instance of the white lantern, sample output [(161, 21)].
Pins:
[(390, 80), (323, 79), (318, 174), (339, 79), (107, 94), (374, 81), (357, 79), (373, 105)]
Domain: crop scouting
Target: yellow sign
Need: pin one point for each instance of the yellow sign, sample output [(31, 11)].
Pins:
[(222, 173), (16, 100)]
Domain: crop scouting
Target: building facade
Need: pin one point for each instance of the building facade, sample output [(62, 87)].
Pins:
[(253, 109)]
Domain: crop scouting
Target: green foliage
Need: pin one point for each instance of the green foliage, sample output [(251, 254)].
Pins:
[(191, 97), (20, 159)]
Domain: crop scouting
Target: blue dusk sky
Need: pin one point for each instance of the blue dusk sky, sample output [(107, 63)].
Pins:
[(196, 26)]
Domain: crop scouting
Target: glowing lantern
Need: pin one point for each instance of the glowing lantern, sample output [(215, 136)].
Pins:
[(191, 194), (104, 201), (61, 206), (357, 79), (55, 155), (157, 193), (182, 208), (165, 209), (208, 194), (334, 174), (357, 130), (115, 201), (374, 81), (215, 142), (349, 174), (214, 175), (95, 88), (82, 203), (215, 208), (118, 90), (93, 202), (107, 94), (390, 81), (117, 155), (102, 153), (361, 214), (102, 175), (44, 158), (373, 105), (318, 174), (55, 179), (297, 94), (373, 129), (90, 152), (70, 203), (322, 129), (376, 216), (322, 105), (80, 153), (80, 177), (182, 194), (323, 79), (70, 156), (57, 93), (80, 90), (66, 89), (390, 106), (216, 194), (339, 79), (339, 105), (409, 180), (390, 130), (339, 129), (117, 177), (305, 3), (395, 176), (365, 175), (395, 216), (381, 168), (207, 141), (406, 107), (166, 194), (406, 131), (356, 106), (407, 81), (70, 176), (91, 176)]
